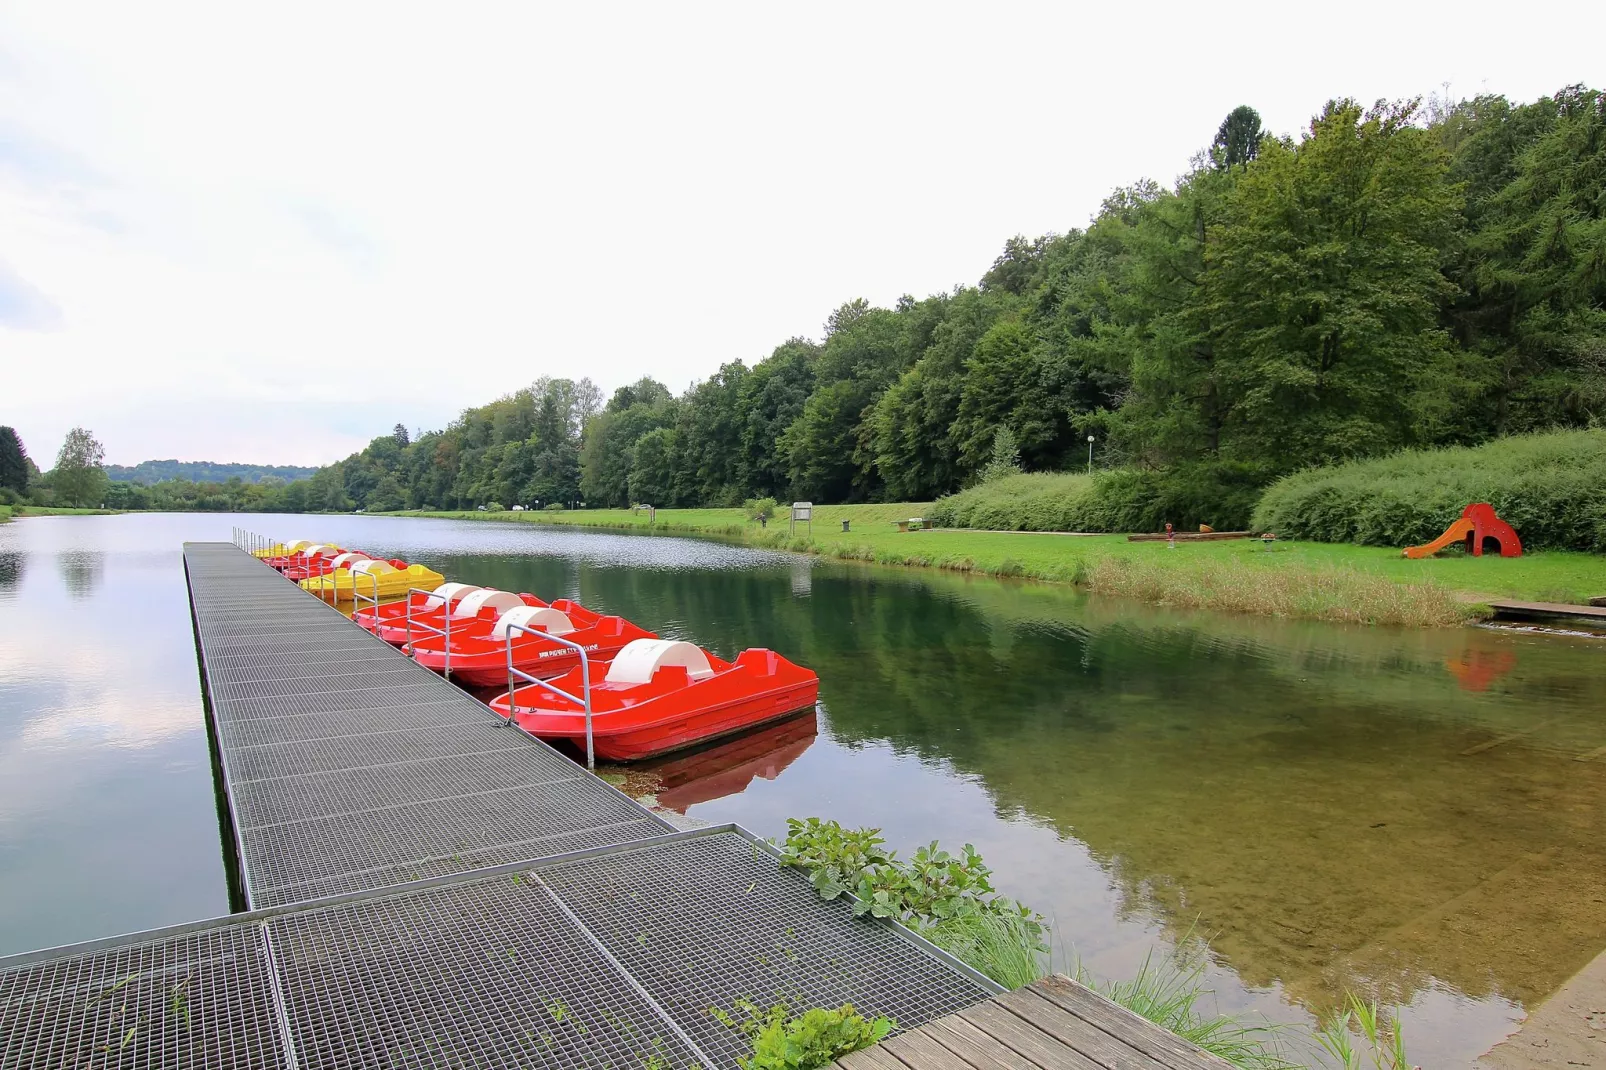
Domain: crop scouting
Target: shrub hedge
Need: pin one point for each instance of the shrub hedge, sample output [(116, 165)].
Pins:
[(1551, 487), (1221, 495)]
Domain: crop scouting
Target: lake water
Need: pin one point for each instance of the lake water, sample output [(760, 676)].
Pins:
[(1419, 816)]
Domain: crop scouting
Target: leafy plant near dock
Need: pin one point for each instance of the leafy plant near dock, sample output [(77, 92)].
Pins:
[(946, 898), (812, 1039)]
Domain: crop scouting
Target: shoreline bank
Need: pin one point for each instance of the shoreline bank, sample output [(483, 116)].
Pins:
[(1567, 1029), (1296, 580)]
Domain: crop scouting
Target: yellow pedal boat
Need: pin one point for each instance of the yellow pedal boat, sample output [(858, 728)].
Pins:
[(372, 579)]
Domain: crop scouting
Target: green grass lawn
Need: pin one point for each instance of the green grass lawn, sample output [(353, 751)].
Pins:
[(52, 510), (1549, 576), (1307, 579), (711, 521)]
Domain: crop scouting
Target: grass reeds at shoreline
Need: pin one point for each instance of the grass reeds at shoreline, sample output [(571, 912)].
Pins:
[(1305, 580), (1320, 593)]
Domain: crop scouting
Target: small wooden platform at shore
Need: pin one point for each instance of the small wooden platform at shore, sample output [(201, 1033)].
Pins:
[(1055, 1024), (1190, 536), (1509, 610)]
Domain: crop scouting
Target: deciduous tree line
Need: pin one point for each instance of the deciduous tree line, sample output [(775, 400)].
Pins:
[(1395, 276)]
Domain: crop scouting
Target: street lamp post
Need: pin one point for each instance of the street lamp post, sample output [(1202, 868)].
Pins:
[(1089, 454)]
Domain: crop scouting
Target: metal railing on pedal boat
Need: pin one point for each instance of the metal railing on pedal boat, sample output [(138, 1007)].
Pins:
[(585, 680), (444, 633)]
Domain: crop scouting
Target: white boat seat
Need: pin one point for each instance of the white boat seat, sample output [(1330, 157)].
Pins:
[(552, 621), (449, 592), (486, 598), (640, 658)]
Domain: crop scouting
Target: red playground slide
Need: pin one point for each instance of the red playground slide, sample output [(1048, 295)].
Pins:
[(1478, 522)]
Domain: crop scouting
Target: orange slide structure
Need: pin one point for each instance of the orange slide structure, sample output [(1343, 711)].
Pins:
[(1478, 522)]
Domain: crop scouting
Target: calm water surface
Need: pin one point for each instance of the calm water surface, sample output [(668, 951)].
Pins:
[(1403, 814)]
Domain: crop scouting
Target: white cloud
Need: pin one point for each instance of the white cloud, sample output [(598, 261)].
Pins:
[(269, 237)]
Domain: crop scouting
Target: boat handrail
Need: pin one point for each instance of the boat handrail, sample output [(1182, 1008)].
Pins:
[(444, 633), (258, 546), (585, 682), (358, 597)]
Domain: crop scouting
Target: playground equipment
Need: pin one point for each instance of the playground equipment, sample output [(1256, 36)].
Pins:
[(1477, 523)]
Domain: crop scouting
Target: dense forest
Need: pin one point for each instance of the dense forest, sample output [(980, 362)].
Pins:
[(1398, 275), (149, 472)]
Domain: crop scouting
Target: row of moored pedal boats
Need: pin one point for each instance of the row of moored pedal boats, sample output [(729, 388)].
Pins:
[(646, 695)]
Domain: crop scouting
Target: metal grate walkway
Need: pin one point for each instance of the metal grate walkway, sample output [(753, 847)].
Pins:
[(347, 766), (433, 888)]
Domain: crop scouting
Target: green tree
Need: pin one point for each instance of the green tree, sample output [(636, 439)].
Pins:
[(709, 431), (79, 478), (652, 463), (772, 397), (1006, 457), (915, 420), (1325, 282), (399, 435), (1535, 266), (1144, 320), (1238, 140), (1009, 383), (14, 474), (1018, 268), (387, 497), (820, 444)]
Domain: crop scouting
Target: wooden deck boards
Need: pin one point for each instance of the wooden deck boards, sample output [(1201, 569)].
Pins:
[(1055, 1024), (1507, 608)]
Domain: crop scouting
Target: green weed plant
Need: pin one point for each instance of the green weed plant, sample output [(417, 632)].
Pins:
[(815, 1038), (947, 898)]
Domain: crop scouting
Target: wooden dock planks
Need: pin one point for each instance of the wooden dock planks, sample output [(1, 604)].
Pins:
[(1054, 1024), (1506, 608)]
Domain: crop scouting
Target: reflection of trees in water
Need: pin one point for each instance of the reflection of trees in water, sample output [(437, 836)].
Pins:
[(12, 562), (81, 571), (1320, 800)]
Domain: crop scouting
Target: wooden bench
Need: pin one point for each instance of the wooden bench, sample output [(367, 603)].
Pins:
[(914, 523)]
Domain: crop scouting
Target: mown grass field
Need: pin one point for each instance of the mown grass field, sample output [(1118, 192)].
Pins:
[(1325, 581), (50, 510), (863, 518)]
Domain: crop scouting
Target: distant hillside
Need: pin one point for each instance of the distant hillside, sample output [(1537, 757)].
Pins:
[(148, 472)]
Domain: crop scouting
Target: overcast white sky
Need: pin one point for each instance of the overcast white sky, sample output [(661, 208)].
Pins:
[(267, 233)]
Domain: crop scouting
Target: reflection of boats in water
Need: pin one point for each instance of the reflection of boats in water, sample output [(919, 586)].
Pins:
[(728, 768), (1475, 670)]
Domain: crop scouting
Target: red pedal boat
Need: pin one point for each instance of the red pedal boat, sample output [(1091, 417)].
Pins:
[(660, 695), (475, 608), (323, 564), (304, 558), (479, 658), (426, 607)]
